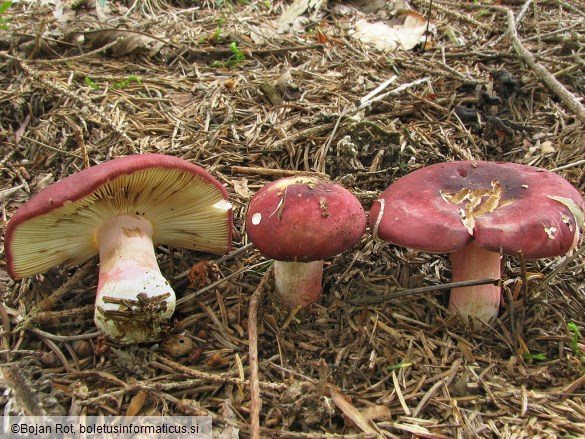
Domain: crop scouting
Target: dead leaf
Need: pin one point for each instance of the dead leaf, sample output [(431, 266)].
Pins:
[(241, 188), (231, 83), (377, 412), (126, 42), (283, 80), (103, 11), (199, 274), (181, 99), (404, 32), (351, 412), (227, 432), (547, 147), (217, 360), (298, 8), (21, 129), (262, 34), (41, 181), (176, 345), (137, 403)]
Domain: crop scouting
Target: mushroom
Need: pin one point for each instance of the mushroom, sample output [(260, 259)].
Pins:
[(121, 209), (299, 221), (477, 210)]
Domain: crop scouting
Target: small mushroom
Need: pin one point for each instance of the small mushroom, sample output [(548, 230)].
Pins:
[(477, 210), (121, 209), (299, 222)]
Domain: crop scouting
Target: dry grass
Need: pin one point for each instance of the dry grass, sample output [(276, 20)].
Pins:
[(396, 368)]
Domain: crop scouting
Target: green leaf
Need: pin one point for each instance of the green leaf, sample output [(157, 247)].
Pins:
[(534, 357), (398, 366), (4, 6), (128, 80), (237, 52), (91, 84), (575, 339)]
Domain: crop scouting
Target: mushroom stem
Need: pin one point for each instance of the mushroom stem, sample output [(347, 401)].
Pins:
[(133, 297), (481, 301), (298, 283)]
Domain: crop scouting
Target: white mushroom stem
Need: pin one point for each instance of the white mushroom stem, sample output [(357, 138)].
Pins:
[(481, 301), (133, 298), (298, 283)]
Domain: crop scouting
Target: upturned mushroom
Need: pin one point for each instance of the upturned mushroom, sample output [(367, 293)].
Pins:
[(478, 210), (299, 222), (121, 209)]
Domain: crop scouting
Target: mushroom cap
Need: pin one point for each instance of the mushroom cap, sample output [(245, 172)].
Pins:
[(187, 207), (304, 219), (504, 207)]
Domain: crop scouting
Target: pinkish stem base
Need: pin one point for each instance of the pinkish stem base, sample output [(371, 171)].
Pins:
[(298, 283), (481, 301), (133, 298)]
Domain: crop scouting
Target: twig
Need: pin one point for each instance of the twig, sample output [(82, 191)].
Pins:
[(278, 173), (58, 353), (524, 54), (76, 57), (325, 148), (366, 99), (6, 330), (299, 134), (66, 314), (234, 253), (24, 394), (521, 14), (558, 269), (52, 148), (572, 388), (551, 82), (214, 284), (64, 338), (400, 89), (246, 50), (569, 165), (221, 260), (429, 289), (362, 103), (349, 410), (222, 379), (255, 398), (6, 193), (443, 382), (49, 302)]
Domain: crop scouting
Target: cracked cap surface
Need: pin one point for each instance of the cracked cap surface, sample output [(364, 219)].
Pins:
[(502, 206)]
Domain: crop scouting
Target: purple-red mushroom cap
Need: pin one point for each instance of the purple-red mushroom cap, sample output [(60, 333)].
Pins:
[(299, 221), (187, 207), (476, 210), (303, 219), (503, 207)]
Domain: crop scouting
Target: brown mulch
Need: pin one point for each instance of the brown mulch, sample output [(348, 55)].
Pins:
[(160, 76)]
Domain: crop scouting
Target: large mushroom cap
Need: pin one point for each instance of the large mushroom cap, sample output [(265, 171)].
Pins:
[(304, 219), (187, 207), (503, 206)]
